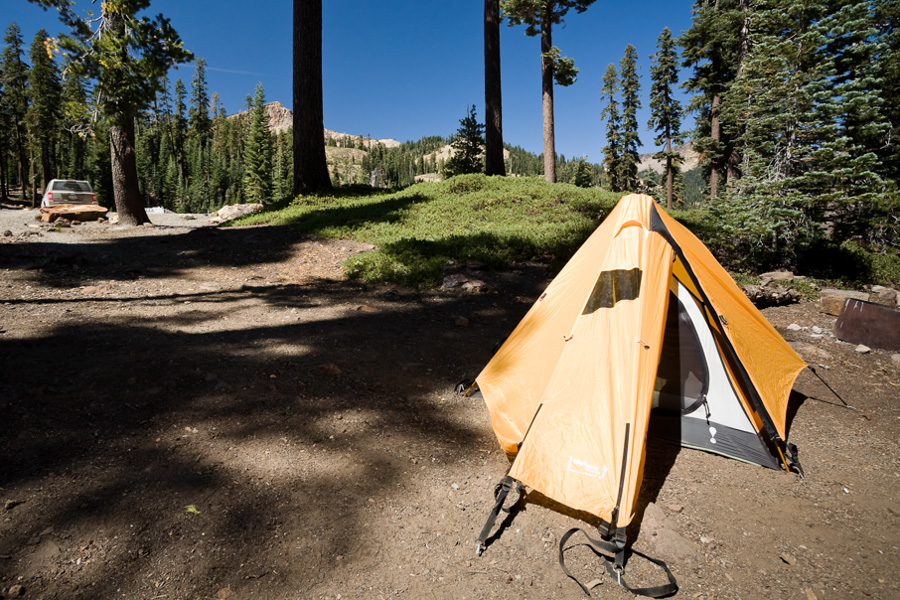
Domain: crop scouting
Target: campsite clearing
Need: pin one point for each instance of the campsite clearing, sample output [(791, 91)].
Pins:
[(226, 416)]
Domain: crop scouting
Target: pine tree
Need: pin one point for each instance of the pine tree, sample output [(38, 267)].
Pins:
[(612, 152), (166, 165), (237, 143), (198, 193), (631, 102), (127, 62), (582, 173), (468, 146), (99, 164), (146, 151), (15, 101), (539, 16), (858, 180), (283, 167), (666, 110), (770, 112), (179, 136), (46, 97), (258, 152), (807, 110), (219, 157), (197, 186), (5, 143), (198, 115), (76, 123), (711, 50), (887, 21)]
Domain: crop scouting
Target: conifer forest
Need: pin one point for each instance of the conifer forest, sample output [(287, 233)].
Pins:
[(796, 108), (321, 277)]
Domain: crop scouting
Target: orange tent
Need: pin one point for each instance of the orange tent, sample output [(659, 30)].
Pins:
[(642, 331)]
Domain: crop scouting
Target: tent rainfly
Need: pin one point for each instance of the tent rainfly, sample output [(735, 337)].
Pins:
[(641, 332)]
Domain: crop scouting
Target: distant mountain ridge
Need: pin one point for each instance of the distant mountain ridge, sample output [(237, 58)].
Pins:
[(691, 159), (281, 119)]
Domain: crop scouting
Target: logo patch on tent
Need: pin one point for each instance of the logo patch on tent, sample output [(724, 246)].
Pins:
[(582, 467)]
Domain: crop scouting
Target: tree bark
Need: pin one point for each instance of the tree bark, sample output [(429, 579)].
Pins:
[(670, 178), (45, 162), (763, 296), (123, 159), (4, 191), (715, 127), (715, 132), (23, 164), (129, 204), (493, 131), (547, 88), (31, 177), (310, 166), (734, 154)]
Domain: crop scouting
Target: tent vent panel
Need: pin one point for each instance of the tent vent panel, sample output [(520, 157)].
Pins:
[(612, 287)]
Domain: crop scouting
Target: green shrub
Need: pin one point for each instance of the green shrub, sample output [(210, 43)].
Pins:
[(852, 264), (418, 231)]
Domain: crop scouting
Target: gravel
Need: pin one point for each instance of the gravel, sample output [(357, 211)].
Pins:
[(23, 225)]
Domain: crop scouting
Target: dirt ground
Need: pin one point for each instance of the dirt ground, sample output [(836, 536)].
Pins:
[(213, 413)]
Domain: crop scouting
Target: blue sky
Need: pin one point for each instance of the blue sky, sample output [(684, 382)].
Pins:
[(404, 68)]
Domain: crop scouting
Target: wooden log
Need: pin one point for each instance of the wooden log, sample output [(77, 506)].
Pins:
[(769, 296)]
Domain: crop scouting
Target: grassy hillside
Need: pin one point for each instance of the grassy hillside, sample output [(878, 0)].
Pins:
[(422, 229), (418, 231)]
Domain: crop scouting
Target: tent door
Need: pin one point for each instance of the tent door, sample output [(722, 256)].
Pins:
[(694, 402)]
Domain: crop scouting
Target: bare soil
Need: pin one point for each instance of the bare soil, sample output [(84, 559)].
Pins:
[(218, 413)]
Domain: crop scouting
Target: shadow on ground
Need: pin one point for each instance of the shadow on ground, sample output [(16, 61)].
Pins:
[(247, 438)]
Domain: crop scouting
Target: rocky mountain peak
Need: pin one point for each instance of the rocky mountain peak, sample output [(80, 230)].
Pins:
[(687, 152), (281, 119)]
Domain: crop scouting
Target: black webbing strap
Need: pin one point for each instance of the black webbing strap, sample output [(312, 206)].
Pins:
[(615, 565), (794, 456), (500, 494)]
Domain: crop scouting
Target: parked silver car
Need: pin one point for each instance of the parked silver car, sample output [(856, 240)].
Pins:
[(68, 191)]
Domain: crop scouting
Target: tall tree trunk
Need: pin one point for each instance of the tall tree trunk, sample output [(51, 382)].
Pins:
[(310, 166), (715, 132), (4, 190), (734, 154), (45, 163), (129, 204), (32, 178), (493, 131), (547, 87), (670, 178), (78, 149), (715, 126), (123, 159), (23, 165)]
